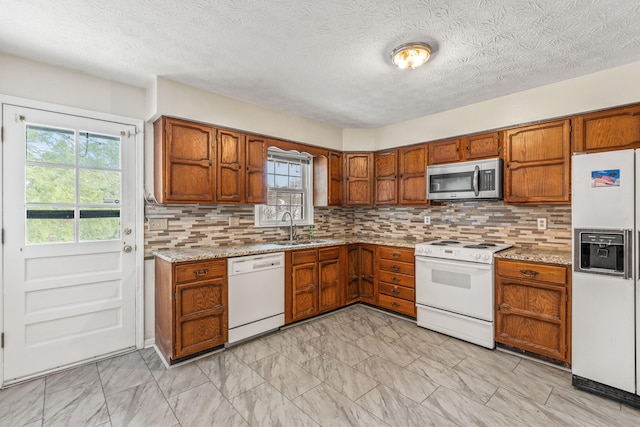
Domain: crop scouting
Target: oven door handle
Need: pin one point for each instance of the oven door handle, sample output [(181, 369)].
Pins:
[(476, 180), (436, 262)]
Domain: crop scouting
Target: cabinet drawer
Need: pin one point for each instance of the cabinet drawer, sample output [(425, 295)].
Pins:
[(190, 272), (303, 257), (328, 253), (396, 279), (395, 254), (539, 272), (397, 304), (396, 267), (396, 291)]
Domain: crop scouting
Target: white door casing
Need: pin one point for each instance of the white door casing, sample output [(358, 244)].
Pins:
[(67, 302)]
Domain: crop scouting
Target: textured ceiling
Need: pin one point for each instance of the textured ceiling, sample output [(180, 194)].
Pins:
[(329, 59)]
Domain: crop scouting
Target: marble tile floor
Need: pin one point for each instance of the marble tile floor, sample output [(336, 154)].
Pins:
[(354, 367)]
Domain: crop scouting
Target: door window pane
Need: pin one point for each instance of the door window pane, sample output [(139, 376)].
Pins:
[(47, 184), (99, 224), (98, 151), (49, 145), (99, 187), (50, 225)]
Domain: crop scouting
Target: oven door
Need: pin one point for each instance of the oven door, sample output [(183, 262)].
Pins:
[(460, 287)]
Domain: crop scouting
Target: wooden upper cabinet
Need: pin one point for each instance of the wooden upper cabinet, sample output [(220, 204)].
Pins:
[(336, 182), (481, 146), (412, 182), (358, 171), (184, 156), (445, 152), (614, 129), (537, 163), (386, 171), (256, 170), (230, 167)]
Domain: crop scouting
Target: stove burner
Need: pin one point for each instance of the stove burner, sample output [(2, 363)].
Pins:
[(446, 242), (475, 246), (488, 244), (439, 244)]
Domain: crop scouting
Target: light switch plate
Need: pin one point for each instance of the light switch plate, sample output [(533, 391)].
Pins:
[(156, 224)]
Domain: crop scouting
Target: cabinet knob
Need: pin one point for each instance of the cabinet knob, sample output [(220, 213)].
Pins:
[(395, 291), (395, 280), (395, 304), (395, 255), (202, 272), (395, 267)]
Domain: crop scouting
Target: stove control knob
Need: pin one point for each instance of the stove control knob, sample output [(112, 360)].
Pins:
[(476, 255), (485, 256)]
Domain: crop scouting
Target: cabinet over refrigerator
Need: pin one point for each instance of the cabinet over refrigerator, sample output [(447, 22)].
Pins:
[(605, 319)]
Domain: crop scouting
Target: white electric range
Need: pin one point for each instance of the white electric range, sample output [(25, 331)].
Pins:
[(455, 289)]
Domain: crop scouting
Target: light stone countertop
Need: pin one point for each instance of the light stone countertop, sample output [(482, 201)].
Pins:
[(212, 252), (548, 256)]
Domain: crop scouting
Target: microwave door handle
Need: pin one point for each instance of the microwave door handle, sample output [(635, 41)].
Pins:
[(476, 180)]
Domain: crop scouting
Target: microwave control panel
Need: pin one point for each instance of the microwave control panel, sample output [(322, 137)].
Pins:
[(488, 180)]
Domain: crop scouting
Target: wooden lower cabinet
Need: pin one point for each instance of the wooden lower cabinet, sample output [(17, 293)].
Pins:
[(533, 308), (396, 279), (190, 307), (367, 285), (313, 282)]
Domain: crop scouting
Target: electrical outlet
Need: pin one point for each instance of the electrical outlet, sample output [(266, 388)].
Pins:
[(542, 223), (427, 220), (158, 224), (234, 221)]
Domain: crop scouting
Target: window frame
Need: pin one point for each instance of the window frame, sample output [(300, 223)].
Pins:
[(307, 189)]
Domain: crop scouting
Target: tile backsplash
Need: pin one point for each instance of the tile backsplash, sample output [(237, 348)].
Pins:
[(199, 225)]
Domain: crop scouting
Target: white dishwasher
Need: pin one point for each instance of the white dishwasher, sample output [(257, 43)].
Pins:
[(256, 295)]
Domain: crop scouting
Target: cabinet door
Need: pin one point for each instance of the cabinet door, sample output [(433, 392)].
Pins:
[(184, 155), (537, 163), (336, 183), (358, 175), (353, 274), (230, 167), (445, 152), (482, 146), (386, 171), (614, 129), (305, 290), (367, 289), (256, 170), (329, 281), (412, 184), (532, 316), (201, 318)]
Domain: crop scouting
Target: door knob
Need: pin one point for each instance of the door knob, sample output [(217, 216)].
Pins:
[(127, 249)]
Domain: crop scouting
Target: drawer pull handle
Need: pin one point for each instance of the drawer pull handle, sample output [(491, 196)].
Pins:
[(202, 272), (395, 279), (395, 304), (395, 291), (395, 267), (395, 255), (529, 273)]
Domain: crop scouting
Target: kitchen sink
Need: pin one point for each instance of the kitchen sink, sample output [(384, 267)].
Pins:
[(298, 242)]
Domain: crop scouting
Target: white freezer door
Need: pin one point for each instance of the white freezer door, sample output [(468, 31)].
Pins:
[(603, 343), (603, 206)]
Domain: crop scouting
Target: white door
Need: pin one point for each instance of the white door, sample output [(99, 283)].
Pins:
[(69, 240)]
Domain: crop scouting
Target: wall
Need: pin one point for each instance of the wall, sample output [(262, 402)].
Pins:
[(41, 82), (612, 87)]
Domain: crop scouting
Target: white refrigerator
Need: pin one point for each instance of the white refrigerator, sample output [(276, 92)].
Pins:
[(605, 318)]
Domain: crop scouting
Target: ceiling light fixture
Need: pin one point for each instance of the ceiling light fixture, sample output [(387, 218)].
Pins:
[(411, 55)]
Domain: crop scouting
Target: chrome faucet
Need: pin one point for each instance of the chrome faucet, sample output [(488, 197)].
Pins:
[(292, 232)]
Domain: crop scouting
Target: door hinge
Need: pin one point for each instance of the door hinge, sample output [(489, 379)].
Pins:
[(2, 340)]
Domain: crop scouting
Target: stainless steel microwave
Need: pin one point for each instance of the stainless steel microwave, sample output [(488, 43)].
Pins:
[(478, 179)]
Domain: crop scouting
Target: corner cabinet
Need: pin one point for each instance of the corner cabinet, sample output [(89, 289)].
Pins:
[(533, 307), (360, 274), (313, 282), (336, 181), (537, 162), (190, 307), (614, 129), (184, 157), (358, 175)]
